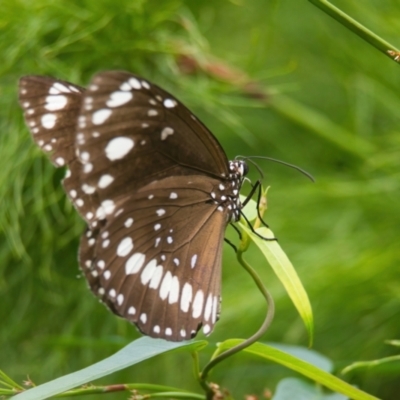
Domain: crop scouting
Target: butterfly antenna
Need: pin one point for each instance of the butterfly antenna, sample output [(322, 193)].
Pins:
[(305, 173)]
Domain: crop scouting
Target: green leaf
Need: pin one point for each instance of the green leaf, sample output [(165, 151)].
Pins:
[(370, 364), (297, 389), (393, 342), (307, 355), (303, 367), (284, 270), (250, 210), (133, 353)]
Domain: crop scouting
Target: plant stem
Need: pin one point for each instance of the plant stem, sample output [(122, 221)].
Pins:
[(251, 339), (360, 30)]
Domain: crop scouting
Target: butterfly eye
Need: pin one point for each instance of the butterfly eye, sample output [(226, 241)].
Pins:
[(155, 189), (244, 168)]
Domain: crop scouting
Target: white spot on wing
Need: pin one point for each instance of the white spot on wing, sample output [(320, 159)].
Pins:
[(54, 103), (87, 168), (148, 272), (156, 279), (160, 212), (119, 98), (214, 310), (168, 331), (105, 180), (166, 132), (143, 318), (84, 156), (88, 189), (128, 223), (152, 113), (125, 87), (60, 161), (118, 147), (132, 311), (125, 247), (100, 116), (120, 299), (208, 308), (173, 196), (48, 121), (107, 275), (197, 306), (108, 206), (62, 88), (174, 291), (165, 285), (135, 83), (186, 297), (169, 103), (193, 261), (134, 263)]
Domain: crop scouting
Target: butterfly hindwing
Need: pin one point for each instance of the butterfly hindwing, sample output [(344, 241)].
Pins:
[(149, 268)]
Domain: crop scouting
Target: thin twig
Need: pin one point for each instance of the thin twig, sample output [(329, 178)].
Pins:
[(360, 30)]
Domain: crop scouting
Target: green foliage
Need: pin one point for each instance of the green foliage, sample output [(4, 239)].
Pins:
[(333, 110), (134, 353)]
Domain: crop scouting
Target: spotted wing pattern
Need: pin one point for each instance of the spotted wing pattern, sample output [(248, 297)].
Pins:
[(51, 108), (149, 268), (155, 188)]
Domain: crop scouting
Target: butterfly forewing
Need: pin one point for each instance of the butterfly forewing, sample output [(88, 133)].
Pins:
[(51, 109), (155, 188), (141, 133)]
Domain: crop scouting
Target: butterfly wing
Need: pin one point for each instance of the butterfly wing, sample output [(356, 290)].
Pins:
[(121, 139), (157, 259), (51, 109)]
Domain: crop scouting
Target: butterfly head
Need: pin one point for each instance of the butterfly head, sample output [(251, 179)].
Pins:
[(238, 170)]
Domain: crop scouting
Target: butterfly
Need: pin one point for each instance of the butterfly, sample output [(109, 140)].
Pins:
[(155, 188)]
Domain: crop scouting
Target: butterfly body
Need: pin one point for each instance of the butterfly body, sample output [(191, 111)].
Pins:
[(155, 188)]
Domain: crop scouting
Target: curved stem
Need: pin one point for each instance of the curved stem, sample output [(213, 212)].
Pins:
[(251, 339)]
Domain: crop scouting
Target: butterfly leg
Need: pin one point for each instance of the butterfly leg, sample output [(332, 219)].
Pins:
[(256, 186), (236, 229), (231, 244)]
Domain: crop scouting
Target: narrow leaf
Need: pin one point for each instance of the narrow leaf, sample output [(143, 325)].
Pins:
[(284, 270), (370, 364), (294, 388), (303, 367), (133, 353)]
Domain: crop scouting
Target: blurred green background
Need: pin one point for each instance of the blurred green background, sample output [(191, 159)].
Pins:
[(333, 109)]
